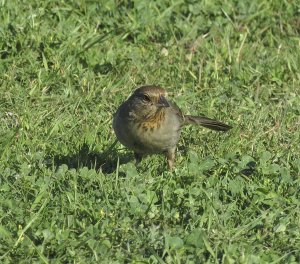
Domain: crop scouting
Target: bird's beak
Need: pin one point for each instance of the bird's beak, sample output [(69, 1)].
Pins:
[(162, 102)]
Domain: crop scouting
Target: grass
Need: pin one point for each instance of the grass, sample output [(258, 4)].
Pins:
[(69, 193)]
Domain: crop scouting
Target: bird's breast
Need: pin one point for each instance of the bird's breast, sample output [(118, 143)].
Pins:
[(154, 134), (159, 133)]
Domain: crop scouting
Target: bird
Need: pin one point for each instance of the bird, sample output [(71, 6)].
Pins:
[(148, 123)]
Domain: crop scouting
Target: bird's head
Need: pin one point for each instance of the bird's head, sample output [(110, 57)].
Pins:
[(148, 100)]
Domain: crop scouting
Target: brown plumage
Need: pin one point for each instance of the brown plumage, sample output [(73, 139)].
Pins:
[(149, 124)]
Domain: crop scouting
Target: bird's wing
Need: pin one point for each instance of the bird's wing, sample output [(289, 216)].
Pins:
[(177, 111)]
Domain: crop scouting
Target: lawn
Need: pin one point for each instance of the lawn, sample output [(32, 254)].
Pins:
[(69, 193)]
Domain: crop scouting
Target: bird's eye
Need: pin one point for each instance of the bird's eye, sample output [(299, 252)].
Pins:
[(146, 98)]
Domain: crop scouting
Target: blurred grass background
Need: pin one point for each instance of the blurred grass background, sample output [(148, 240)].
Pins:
[(68, 193)]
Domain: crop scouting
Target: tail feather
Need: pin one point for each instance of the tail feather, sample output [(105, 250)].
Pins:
[(206, 122)]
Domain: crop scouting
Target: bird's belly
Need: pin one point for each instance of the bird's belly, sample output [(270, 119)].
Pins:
[(157, 140), (146, 139)]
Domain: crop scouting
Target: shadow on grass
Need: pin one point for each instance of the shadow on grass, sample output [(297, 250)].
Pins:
[(107, 161)]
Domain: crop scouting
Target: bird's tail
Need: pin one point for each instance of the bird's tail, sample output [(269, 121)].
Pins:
[(206, 122)]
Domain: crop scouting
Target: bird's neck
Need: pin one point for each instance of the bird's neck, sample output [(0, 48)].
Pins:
[(155, 117)]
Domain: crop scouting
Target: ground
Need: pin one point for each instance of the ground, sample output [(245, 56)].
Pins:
[(70, 193)]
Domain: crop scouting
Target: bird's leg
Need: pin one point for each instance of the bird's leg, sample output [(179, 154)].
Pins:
[(138, 157), (170, 154)]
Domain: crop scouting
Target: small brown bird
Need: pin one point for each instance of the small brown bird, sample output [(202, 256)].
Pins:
[(149, 124)]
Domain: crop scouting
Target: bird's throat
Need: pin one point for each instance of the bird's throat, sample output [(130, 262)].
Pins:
[(152, 122)]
